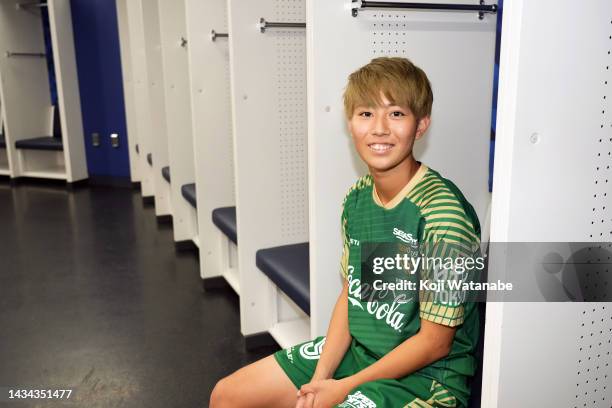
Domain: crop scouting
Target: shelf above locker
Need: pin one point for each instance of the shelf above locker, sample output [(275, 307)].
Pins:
[(189, 193), (225, 219), (288, 267)]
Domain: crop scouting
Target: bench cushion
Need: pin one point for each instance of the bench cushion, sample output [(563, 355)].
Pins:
[(189, 192), (166, 173), (225, 219), (150, 159), (41, 143), (288, 267)]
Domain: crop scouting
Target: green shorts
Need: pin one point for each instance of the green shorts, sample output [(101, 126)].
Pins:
[(414, 391)]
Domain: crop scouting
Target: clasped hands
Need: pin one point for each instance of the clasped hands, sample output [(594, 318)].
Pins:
[(322, 393)]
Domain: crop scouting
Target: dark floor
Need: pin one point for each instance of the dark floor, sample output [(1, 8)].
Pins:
[(94, 297)]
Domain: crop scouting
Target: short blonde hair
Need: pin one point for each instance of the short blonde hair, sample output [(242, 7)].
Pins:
[(398, 79)]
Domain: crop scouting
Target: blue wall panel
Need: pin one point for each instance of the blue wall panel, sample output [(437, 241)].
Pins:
[(98, 57)]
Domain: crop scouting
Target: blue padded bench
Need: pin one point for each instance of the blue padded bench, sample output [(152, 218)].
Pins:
[(166, 173), (53, 142), (225, 219), (41, 143), (288, 267), (189, 192), (150, 159)]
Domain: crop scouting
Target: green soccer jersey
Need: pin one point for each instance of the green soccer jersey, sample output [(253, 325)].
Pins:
[(429, 209)]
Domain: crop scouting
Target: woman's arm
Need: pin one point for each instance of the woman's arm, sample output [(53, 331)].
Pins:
[(338, 338), (431, 343)]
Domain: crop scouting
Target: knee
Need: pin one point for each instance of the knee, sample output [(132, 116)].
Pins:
[(221, 395)]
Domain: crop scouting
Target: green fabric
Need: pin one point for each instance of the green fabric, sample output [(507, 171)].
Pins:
[(432, 211), (414, 391)]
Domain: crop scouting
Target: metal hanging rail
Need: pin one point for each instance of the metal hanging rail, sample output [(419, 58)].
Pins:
[(33, 4), (214, 35), (263, 25), (481, 8), (10, 54)]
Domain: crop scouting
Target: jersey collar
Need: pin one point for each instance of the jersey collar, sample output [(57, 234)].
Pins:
[(418, 176)]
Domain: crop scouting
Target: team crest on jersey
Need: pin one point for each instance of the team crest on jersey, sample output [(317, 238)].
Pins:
[(312, 350), (357, 400)]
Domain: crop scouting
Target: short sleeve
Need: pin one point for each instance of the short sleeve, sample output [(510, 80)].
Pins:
[(449, 238)]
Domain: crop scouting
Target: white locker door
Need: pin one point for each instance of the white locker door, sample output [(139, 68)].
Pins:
[(551, 184)]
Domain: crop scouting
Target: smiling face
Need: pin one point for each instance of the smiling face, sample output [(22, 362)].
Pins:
[(384, 135)]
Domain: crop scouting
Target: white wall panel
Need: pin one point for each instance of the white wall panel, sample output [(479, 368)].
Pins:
[(552, 167)]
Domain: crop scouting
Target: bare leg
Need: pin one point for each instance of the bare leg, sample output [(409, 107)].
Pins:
[(261, 384)]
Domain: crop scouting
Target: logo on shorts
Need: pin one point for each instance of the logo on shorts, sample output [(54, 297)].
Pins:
[(289, 352), (312, 350), (357, 400)]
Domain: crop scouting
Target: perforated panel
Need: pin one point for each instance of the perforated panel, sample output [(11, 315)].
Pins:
[(602, 213), (594, 365), (290, 78), (552, 183), (594, 374)]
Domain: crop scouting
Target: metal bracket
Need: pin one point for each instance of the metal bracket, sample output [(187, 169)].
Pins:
[(214, 35), (114, 137), (10, 54), (482, 8), (263, 25)]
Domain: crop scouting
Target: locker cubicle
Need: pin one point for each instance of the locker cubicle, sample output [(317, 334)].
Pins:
[(268, 76), (207, 30), (136, 81), (40, 139), (179, 174), (156, 43), (448, 46), (145, 77)]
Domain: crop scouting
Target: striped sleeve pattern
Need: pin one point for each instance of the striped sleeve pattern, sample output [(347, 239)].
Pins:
[(360, 184), (447, 233)]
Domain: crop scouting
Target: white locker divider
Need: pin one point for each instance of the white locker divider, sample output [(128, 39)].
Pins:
[(128, 88), (213, 140), (158, 137), (50, 139), (455, 49), (175, 49), (141, 98), (551, 185), (268, 74)]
